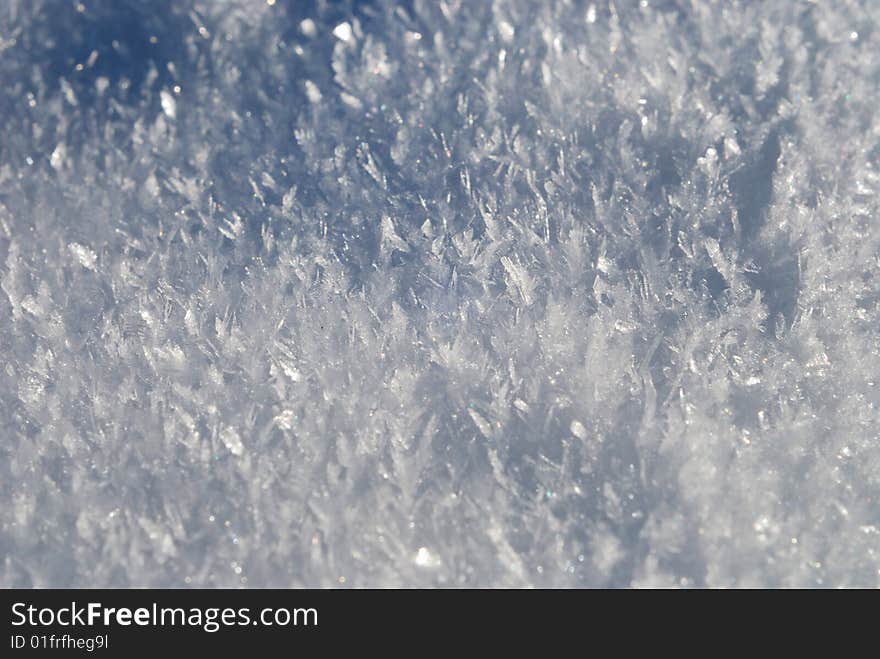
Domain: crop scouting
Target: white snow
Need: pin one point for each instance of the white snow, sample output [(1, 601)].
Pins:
[(169, 105), (503, 293), (342, 32)]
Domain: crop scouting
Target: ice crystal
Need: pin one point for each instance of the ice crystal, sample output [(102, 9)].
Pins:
[(504, 293)]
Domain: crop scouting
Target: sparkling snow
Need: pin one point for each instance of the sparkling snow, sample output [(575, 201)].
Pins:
[(510, 293)]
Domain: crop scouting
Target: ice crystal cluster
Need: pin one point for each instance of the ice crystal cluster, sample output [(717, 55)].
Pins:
[(439, 293)]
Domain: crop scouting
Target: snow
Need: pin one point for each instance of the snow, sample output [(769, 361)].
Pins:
[(503, 293), (341, 32), (169, 105)]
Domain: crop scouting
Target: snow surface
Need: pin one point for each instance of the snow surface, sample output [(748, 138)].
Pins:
[(452, 293)]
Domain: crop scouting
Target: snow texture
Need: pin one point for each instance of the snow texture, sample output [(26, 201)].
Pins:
[(439, 293)]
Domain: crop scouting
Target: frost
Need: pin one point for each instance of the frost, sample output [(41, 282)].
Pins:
[(481, 423), (503, 293), (232, 440), (578, 430), (519, 278), (86, 256)]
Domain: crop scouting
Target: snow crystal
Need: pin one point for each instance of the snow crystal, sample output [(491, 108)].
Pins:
[(86, 256), (232, 440), (507, 31), (169, 105), (342, 32), (59, 154), (504, 293), (313, 92), (424, 558)]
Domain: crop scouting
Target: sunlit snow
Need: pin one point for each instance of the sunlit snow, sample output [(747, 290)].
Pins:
[(509, 293)]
